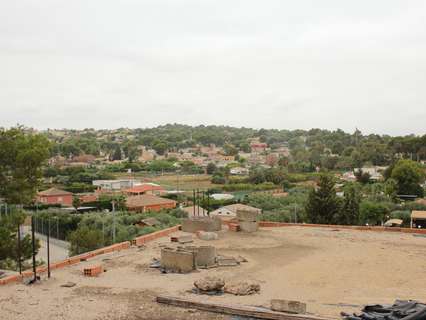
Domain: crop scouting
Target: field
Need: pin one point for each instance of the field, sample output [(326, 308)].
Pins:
[(331, 270), (175, 181)]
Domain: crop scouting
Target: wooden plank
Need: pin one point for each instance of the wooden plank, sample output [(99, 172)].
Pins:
[(238, 310)]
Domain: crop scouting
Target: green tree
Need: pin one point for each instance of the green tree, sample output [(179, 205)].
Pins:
[(211, 168), (391, 189), (362, 177), (323, 205), (85, 239), (408, 174), (76, 202), (349, 212), (21, 159), (117, 153), (373, 213), (9, 254)]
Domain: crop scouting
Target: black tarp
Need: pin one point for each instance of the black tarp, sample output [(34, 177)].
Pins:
[(400, 310)]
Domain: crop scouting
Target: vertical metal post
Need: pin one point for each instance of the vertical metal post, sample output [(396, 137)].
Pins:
[(193, 200), (198, 202), (208, 203), (48, 249), (202, 192), (113, 221), (19, 250), (33, 248), (57, 227)]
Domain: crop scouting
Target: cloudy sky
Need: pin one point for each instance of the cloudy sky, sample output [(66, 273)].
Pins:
[(271, 63)]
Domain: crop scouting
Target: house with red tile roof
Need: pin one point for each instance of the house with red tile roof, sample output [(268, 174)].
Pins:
[(145, 188), (55, 196), (148, 202)]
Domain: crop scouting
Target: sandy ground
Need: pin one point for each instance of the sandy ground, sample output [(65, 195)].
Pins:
[(330, 270)]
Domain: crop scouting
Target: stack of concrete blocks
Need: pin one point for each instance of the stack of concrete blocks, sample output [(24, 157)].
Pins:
[(187, 259), (177, 260), (201, 224), (248, 220), (205, 256)]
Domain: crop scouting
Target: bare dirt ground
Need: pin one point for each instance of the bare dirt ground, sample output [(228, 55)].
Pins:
[(330, 270)]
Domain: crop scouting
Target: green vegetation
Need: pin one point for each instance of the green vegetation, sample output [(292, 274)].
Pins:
[(323, 205), (9, 254)]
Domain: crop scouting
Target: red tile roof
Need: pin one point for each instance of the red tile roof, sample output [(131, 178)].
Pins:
[(146, 200), (54, 192), (145, 188)]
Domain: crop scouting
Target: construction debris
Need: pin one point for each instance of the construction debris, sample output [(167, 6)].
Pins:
[(226, 261), (404, 310), (236, 310), (209, 285), (182, 239), (155, 263), (68, 285), (242, 288), (93, 271), (288, 306)]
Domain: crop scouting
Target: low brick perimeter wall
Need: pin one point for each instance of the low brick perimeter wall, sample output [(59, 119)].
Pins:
[(85, 256), (268, 224)]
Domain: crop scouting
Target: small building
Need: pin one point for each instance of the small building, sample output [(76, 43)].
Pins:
[(148, 202), (145, 188), (239, 171), (116, 185), (418, 219), (230, 212), (55, 196)]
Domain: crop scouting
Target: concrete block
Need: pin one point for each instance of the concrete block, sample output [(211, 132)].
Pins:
[(204, 235), (247, 215), (205, 256), (201, 224), (180, 261), (288, 306), (249, 226)]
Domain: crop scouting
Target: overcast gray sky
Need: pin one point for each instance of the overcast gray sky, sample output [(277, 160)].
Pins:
[(271, 63)]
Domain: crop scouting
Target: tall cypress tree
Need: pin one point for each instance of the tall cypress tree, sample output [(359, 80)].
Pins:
[(323, 206), (349, 213)]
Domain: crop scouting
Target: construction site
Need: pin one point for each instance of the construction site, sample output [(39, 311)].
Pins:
[(208, 270)]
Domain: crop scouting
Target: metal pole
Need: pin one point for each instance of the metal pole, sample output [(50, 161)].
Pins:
[(193, 200), (203, 202), (57, 228), (19, 250), (198, 202), (48, 249), (208, 203), (33, 248), (113, 221)]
